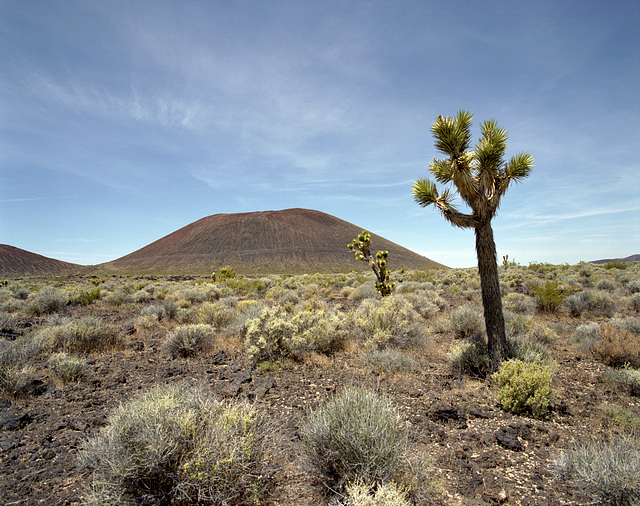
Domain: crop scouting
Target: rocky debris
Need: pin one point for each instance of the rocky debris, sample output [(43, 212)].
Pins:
[(507, 437), (447, 413), (12, 421)]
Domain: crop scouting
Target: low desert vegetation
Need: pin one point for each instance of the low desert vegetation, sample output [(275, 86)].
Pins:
[(356, 445)]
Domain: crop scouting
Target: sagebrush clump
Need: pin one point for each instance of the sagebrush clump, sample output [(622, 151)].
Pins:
[(179, 445), (356, 435), (610, 470)]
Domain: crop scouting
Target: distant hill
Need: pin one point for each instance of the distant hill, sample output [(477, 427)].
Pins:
[(18, 262), (292, 240), (632, 258)]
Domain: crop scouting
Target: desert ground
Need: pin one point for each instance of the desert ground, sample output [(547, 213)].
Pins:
[(74, 349)]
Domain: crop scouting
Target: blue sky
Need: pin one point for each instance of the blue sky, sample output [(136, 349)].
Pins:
[(123, 121)]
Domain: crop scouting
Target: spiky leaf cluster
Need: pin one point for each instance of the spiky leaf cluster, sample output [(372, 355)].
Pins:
[(480, 176), (360, 246)]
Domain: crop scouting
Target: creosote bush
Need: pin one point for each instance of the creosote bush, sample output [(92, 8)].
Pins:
[(524, 387), (179, 445), (189, 340), (549, 296), (610, 470)]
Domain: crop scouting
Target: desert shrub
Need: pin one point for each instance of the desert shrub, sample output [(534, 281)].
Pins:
[(364, 292), (189, 340), (615, 265), (610, 470), (179, 445), (467, 320), (470, 357), (524, 387), (587, 335), (48, 300), (627, 378), (16, 372), (528, 350), (85, 297), (548, 295), (360, 493), (423, 304), (517, 323), (606, 285), (390, 360), (386, 322), (358, 434), (247, 310), (629, 324), (67, 368), (634, 286), (154, 312), (218, 314), (593, 302), (117, 298), (22, 293), (617, 347), (633, 302), (316, 331), (519, 303), (141, 296), (277, 334), (83, 336)]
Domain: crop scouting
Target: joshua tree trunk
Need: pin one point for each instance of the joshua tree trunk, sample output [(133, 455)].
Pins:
[(491, 299)]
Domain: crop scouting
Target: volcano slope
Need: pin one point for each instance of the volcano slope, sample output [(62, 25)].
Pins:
[(291, 240)]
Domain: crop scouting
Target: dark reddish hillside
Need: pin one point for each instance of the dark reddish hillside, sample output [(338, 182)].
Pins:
[(292, 239), (18, 262)]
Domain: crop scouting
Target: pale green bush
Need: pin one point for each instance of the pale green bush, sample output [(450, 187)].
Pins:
[(16, 370), (627, 377), (358, 434), (387, 494), (179, 445), (278, 334), (85, 335), (386, 322), (67, 368), (524, 387), (470, 358), (593, 302), (189, 340), (218, 314), (610, 470), (467, 320), (519, 303), (390, 360), (423, 304), (48, 300)]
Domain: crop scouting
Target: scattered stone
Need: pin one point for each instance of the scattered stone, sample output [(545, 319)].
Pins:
[(480, 414), (507, 437), (242, 377), (11, 421), (450, 414)]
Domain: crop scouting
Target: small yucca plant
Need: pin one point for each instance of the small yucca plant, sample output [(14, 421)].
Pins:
[(360, 246)]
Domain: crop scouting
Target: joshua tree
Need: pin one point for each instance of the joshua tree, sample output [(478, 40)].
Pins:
[(481, 177), (360, 246)]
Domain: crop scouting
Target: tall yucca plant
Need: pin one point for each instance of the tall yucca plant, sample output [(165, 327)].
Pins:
[(481, 177)]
